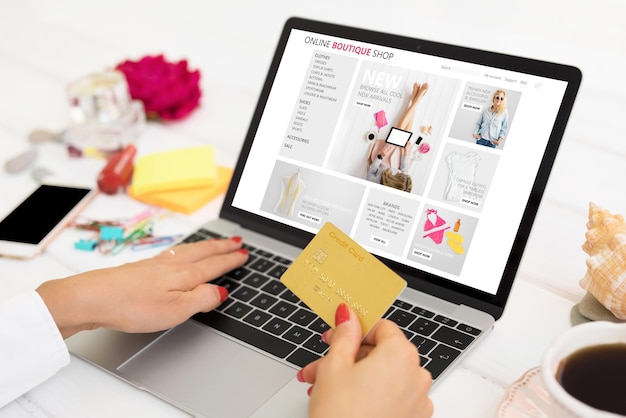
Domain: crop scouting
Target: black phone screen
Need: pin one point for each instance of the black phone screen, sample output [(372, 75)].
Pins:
[(36, 216)]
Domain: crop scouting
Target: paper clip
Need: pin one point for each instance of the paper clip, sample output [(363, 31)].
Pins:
[(152, 242), (140, 217), (145, 228), (92, 225), (115, 235), (105, 247)]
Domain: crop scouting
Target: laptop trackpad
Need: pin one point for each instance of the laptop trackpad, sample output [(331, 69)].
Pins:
[(193, 367)]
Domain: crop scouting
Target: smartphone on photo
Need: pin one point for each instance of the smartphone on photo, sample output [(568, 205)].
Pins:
[(27, 228)]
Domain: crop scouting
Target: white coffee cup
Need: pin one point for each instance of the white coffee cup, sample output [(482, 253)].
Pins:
[(578, 337)]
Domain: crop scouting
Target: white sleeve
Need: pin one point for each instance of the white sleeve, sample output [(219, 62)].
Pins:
[(31, 346)]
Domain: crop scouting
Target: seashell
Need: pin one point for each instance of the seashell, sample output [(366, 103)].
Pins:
[(601, 227), (605, 278)]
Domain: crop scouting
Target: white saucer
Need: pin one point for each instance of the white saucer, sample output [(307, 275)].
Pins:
[(527, 397)]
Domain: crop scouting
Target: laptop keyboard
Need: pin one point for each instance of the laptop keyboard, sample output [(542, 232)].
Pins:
[(263, 313)]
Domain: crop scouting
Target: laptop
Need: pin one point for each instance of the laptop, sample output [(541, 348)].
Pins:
[(333, 94)]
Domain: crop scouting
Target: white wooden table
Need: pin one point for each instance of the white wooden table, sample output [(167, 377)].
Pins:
[(45, 45)]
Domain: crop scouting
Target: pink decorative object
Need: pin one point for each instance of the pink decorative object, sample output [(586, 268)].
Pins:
[(169, 91), (424, 148), (381, 118)]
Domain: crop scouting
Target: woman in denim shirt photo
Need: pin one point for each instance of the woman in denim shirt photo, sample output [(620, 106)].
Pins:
[(493, 123)]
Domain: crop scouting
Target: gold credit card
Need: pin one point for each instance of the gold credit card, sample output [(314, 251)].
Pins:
[(333, 269)]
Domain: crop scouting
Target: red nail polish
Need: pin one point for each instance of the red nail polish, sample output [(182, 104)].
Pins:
[(300, 376), (324, 337), (309, 390), (223, 293), (237, 239), (243, 251), (342, 314)]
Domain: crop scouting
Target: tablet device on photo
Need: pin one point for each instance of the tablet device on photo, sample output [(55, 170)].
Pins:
[(398, 137)]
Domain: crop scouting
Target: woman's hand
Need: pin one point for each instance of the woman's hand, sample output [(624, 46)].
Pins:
[(387, 150), (407, 148), (377, 377), (148, 295)]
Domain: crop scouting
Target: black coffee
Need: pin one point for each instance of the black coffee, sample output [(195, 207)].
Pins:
[(596, 376)]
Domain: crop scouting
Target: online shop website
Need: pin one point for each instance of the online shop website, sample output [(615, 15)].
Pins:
[(422, 160)]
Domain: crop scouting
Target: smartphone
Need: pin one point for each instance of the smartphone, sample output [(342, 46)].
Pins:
[(32, 224), (398, 137)]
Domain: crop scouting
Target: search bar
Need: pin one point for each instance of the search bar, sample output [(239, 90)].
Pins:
[(466, 71)]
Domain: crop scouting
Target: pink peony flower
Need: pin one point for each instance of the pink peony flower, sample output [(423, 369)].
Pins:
[(169, 91), (424, 147)]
